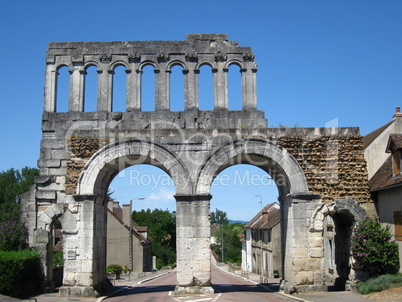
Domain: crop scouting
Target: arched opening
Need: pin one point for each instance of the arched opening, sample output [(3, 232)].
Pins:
[(292, 188), (337, 232), (141, 220), (234, 87), (252, 238), (57, 246), (176, 88), (119, 89), (91, 89), (206, 88), (62, 89), (148, 88)]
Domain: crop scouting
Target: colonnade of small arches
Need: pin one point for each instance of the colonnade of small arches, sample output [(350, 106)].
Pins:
[(162, 65)]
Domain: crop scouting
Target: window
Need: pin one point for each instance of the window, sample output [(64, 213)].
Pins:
[(396, 162), (398, 225)]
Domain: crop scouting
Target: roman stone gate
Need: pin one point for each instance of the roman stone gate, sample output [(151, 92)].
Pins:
[(320, 172)]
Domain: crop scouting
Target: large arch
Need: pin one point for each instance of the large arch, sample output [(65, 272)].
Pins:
[(86, 245), (272, 158), (110, 160), (296, 201)]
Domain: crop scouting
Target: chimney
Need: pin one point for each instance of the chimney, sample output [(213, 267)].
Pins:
[(127, 214), (264, 215), (398, 111)]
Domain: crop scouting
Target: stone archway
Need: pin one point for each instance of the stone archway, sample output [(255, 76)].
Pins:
[(297, 202), (82, 151), (86, 247), (335, 222)]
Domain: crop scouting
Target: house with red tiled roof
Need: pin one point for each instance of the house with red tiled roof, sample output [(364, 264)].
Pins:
[(128, 244), (383, 153), (261, 250)]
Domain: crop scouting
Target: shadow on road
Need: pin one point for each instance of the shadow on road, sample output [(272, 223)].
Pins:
[(230, 288)]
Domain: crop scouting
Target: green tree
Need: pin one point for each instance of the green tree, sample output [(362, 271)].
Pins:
[(13, 183), (219, 217), (373, 249), (13, 235), (162, 229), (231, 242)]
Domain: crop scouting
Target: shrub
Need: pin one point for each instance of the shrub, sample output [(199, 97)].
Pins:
[(114, 268), (380, 283), (19, 272), (58, 259), (13, 235), (373, 249)]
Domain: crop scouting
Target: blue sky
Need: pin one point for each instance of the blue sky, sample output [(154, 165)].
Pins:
[(318, 60)]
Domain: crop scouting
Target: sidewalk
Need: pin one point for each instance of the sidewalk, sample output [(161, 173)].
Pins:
[(273, 286)]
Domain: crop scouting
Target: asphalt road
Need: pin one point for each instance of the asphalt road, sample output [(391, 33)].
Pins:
[(227, 288)]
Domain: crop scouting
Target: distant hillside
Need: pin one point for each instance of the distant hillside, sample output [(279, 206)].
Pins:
[(237, 221)]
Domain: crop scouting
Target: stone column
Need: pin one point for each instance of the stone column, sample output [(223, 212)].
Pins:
[(220, 87), (191, 89), (105, 84), (85, 248), (193, 244), (162, 92), (76, 95), (50, 89), (249, 89), (301, 251), (133, 89)]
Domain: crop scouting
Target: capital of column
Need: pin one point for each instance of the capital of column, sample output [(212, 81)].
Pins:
[(195, 197)]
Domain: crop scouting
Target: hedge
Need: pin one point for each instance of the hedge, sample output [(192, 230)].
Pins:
[(19, 273)]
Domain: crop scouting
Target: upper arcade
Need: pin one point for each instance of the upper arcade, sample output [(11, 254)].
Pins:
[(197, 50)]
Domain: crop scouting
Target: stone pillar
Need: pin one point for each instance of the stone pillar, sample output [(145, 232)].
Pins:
[(105, 84), (249, 89), (76, 95), (85, 248), (50, 89), (193, 244), (133, 90), (220, 87), (191, 89), (162, 92), (302, 251)]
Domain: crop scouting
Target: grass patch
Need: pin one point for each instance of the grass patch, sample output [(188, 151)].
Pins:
[(380, 283)]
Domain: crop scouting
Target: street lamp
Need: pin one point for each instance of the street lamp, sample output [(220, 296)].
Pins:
[(130, 241), (262, 254), (223, 259)]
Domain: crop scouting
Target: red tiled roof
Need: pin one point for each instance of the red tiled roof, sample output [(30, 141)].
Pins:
[(134, 230), (273, 218), (369, 138), (383, 178)]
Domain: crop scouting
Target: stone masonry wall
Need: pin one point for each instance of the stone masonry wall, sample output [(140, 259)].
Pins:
[(334, 165), (79, 151)]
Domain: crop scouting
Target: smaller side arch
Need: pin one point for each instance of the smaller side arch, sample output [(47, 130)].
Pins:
[(46, 217), (346, 206)]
